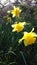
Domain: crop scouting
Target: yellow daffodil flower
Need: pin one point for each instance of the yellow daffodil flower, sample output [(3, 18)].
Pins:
[(29, 38), (16, 11), (18, 26)]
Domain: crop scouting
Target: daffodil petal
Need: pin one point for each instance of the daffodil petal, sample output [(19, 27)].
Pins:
[(18, 9), (20, 40), (25, 33), (14, 7), (35, 35), (24, 23), (13, 15), (13, 25), (25, 43), (32, 30), (13, 30)]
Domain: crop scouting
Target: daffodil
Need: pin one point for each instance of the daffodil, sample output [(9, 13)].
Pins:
[(16, 11), (18, 26), (29, 38)]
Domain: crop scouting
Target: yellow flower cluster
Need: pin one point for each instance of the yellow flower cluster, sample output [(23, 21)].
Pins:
[(28, 37)]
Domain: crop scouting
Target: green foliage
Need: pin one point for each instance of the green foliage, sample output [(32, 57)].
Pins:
[(11, 52)]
